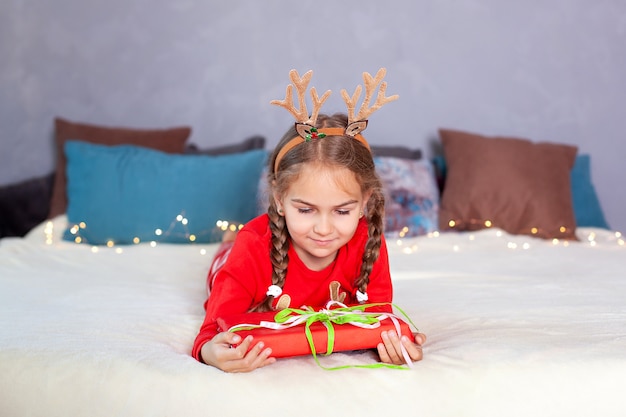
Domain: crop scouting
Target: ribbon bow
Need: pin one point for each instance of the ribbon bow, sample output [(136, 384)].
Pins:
[(340, 314)]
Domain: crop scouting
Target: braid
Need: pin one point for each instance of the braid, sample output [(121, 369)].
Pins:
[(375, 218), (278, 254)]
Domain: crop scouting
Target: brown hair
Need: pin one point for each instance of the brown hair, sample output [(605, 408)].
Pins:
[(340, 151)]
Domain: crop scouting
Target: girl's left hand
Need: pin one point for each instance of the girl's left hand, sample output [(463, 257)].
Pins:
[(390, 351)]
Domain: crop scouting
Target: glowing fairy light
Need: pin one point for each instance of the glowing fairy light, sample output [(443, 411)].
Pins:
[(222, 225), (403, 241), (409, 249)]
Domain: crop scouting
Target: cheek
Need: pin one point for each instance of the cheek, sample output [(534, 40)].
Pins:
[(297, 225), (348, 225)]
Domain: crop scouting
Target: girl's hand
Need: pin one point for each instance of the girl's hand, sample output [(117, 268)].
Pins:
[(390, 351), (218, 352)]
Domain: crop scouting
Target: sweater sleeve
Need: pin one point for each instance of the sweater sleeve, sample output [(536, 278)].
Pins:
[(238, 285)]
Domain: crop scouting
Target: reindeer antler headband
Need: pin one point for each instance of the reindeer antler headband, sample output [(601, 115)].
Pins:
[(305, 124)]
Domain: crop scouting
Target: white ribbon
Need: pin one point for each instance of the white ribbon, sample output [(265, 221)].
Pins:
[(361, 297), (274, 291), (300, 319)]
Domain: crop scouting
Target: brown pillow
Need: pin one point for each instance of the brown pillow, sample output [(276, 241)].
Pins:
[(513, 184), (167, 140)]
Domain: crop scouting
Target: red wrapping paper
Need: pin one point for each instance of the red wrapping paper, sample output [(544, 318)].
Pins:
[(293, 341)]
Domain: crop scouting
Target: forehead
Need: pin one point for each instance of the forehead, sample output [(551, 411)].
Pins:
[(322, 182)]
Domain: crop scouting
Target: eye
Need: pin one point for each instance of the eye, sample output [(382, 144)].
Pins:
[(304, 210), (343, 212)]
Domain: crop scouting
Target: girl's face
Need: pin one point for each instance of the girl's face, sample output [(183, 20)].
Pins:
[(322, 210)]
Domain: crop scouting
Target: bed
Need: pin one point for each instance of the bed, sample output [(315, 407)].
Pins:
[(518, 324)]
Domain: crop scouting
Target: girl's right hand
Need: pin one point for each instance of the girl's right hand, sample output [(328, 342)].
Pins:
[(220, 353)]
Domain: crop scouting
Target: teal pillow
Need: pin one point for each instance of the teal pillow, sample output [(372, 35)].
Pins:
[(587, 207), (128, 194)]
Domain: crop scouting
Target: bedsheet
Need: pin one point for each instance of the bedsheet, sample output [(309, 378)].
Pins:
[(516, 326)]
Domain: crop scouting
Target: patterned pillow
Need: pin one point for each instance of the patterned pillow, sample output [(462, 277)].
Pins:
[(412, 196)]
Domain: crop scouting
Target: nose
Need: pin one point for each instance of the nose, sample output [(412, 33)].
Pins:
[(323, 226)]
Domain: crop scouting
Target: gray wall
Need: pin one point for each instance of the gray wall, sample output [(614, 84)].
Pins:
[(550, 70)]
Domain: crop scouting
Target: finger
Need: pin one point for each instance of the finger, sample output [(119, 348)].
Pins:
[(227, 338), (247, 358), (382, 353), (260, 356), (392, 345), (420, 338), (240, 351), (413, 349)]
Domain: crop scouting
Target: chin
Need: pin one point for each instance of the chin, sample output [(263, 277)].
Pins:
[(324, 252)]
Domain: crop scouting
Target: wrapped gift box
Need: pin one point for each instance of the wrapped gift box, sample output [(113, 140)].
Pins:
[(292, 341)]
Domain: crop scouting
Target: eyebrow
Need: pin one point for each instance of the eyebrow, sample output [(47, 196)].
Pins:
[(306, 203)]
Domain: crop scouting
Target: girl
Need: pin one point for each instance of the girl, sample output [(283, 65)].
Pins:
[(321, 239)]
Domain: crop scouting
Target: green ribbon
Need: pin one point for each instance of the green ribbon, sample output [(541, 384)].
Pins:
[(355, 315)]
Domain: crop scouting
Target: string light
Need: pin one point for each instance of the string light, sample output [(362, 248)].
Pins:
[(407, 244), (477, 224), (512, 242), (48, 232), (79, 229)]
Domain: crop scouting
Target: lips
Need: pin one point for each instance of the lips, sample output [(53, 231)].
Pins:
[(324, 243)]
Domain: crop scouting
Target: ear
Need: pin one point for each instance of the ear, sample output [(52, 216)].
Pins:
[(278, 203), (283, 302), (355, 128), (304, 130), (366, 198)]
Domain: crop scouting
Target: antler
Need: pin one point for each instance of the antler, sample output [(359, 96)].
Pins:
[(370, 86), (301, 83)]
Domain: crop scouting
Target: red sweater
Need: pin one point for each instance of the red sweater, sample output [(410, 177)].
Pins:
[(242, 282)]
